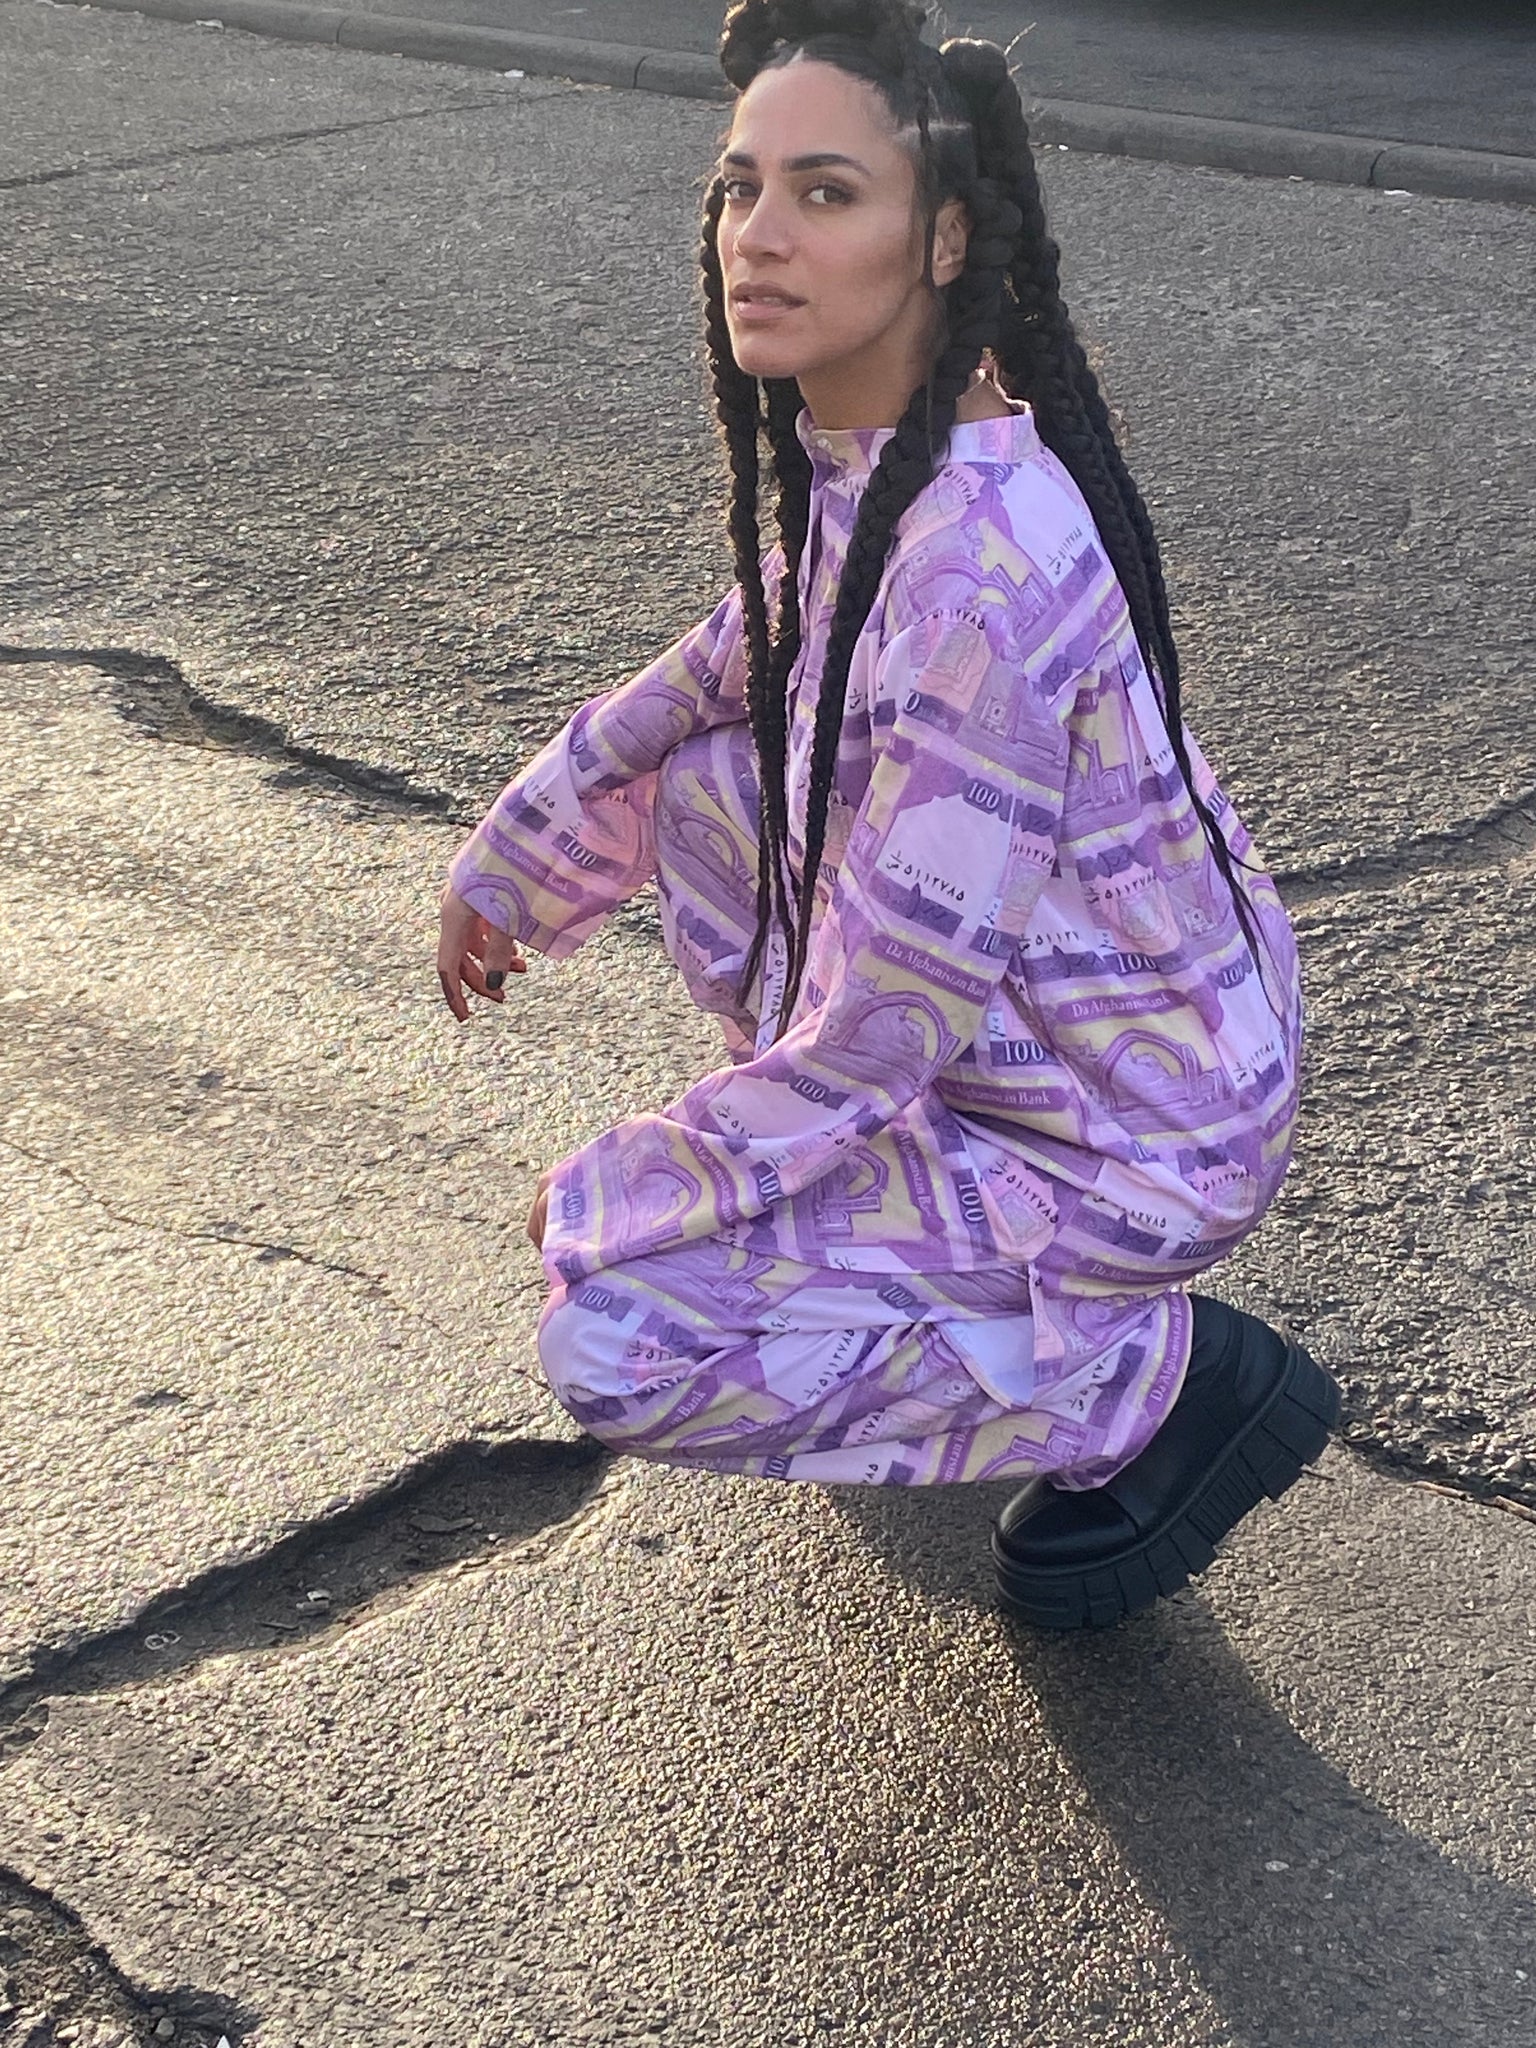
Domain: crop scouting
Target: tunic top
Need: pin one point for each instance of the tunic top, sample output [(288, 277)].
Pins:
[(1031, 1035)]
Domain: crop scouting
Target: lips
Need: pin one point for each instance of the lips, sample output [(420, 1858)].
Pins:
[(764, 298)]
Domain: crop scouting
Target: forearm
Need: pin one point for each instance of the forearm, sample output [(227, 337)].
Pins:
[(570, 836)]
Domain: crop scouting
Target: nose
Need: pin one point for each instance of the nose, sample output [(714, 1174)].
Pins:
[(763, 229)]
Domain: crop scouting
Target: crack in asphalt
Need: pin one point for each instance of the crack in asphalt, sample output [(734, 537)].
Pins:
[(1357, 1436), (269, 1250), (458, 1508), (1449, 1492), (57, 1972), (283, 138), (155, 697), (1509, 827)]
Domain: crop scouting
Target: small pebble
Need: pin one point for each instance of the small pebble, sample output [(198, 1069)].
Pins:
[(165, 2029), (440, 1525)]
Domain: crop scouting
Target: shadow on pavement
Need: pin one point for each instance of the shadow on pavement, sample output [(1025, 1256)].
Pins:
[(1310, 1914), (460, 1504), (54, 1976)]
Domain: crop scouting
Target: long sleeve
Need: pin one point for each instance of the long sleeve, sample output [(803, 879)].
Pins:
[(945, 856), (565, 842)]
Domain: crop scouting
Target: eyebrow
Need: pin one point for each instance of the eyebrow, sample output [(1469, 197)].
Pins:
[(818, 160)]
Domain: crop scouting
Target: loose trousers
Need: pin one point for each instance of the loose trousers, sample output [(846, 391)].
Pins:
[(736, 1360)]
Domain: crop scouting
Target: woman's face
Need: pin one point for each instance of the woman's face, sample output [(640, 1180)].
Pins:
[(821, 244)]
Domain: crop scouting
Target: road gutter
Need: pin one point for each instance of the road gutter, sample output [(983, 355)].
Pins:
[(1372, 162)]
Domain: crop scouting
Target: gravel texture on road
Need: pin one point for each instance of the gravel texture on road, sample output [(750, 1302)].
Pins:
[(359, 437), (1312, 102), (393, 437), (1458, 73), (397, 434), (263, 1200), (724, 1765)]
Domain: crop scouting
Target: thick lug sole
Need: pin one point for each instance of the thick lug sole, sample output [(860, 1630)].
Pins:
[(1262, 1461)]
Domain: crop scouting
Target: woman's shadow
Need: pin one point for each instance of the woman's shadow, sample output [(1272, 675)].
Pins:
[(1312, 1917)]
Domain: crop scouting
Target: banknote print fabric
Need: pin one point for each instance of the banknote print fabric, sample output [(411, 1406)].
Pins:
[(1033, 1083)]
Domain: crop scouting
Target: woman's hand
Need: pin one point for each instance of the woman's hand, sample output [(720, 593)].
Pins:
[(473, 953), (538, 1215)]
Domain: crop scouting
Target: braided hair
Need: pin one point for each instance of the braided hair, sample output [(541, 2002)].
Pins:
[(972, 145)]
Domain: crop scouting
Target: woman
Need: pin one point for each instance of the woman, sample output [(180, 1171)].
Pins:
[(1012, 1019)]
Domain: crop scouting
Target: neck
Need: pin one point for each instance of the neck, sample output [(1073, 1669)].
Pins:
[(873, 386), (835, 406), (859, 395)]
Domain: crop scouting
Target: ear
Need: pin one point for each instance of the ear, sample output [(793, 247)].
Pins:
[(951, 238)]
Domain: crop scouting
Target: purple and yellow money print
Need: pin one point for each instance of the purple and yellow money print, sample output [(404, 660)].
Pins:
[(1034, 1082)]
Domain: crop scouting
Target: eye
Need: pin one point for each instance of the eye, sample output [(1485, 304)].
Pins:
[(738, 191), (828, 194)]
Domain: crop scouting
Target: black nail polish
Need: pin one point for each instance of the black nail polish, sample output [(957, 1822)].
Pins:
[(495, 976)]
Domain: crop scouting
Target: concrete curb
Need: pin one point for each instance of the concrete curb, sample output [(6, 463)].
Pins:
[(1362, 160), (1286, 152)]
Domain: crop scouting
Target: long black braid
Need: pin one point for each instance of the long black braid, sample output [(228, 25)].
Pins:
[(972, 144), (1037, 342), (740, 406)]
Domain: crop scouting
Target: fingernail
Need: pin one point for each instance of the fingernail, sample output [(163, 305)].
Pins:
[(494, 977)]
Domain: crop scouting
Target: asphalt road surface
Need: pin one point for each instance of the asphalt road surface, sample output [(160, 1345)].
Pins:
[(352, 435), (1461, 73)]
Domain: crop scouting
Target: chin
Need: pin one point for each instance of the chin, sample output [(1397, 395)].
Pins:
[(762, 355)]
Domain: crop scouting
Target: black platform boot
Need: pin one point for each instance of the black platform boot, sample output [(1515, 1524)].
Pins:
[(1253, 1411)]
